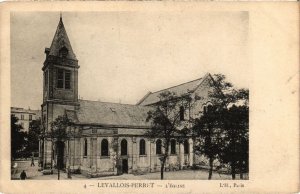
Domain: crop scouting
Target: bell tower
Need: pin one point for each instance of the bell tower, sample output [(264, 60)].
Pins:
[(60, 69), (60, 84)]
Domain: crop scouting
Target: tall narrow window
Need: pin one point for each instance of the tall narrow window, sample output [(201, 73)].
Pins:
[(186, 147), (67, 79), (209, 109), (181, 113), (123, 147), (104, 147), (173, 146), (46, 79), (60, 78), (204, 109), (142, 147), (85, 148), (158, 146), (30, 117), (22, 117)]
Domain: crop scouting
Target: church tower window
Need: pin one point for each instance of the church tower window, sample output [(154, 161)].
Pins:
[(68, 79), (60, 78), (63, 79), (63, 52)]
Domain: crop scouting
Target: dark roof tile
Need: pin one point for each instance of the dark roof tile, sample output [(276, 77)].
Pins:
[(179, 90), (106, 113)]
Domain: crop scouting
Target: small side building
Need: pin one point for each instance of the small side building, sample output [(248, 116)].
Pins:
[(25, 116)]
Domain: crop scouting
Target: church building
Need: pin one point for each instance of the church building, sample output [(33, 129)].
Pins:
[(107, 138)]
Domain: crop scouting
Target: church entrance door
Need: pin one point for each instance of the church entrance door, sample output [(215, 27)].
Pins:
[(60, 146), (124, 166)]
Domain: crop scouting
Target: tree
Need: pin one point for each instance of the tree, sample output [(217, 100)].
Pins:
[(225, 94), (223, 129), (33, 136), (210, 136), (18, 138), (166, 119), (234, 121), (236, 150), (58, 133), (59, 128)]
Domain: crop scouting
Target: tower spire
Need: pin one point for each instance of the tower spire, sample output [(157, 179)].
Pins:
[(61, 40)]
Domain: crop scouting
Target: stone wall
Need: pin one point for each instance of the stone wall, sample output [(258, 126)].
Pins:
[(96, 165)]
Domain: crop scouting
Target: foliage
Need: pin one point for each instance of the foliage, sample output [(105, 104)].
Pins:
[(59, 128), (225, 93), (236, 149), (222, 131), (166, 121), (209, 135), (58, 133), (18, 138), (33, 136)]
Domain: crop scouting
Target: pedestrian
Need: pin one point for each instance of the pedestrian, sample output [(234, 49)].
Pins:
[(32, 161), (23, 175), (15, 167)]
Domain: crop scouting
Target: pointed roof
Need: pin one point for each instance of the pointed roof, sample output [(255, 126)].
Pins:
[(60, 41), (179, 90)]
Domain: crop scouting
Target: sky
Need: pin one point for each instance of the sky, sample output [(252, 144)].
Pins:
[(123, 55)]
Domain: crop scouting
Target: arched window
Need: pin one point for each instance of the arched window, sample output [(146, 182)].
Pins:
[(181, 113), (186, 147), (124, 147), (158, 146), (63, 52), (142, 147), (85, 148), (104, 147), (173, 146), (209, 108)]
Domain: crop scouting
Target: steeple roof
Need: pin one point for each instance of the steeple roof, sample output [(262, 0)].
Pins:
[(60, 41)]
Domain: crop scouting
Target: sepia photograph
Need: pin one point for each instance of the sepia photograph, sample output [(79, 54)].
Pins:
[(149, 97), (130, 95)]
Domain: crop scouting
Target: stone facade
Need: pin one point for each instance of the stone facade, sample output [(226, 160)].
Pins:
[(93, 163)]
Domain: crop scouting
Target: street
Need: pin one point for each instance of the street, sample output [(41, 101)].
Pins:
[(34, 174)]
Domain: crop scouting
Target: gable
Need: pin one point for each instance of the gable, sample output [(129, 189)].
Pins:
[(179, 90)]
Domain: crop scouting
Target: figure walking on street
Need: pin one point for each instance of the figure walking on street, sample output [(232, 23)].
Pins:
[(32, 161), (23, 175)]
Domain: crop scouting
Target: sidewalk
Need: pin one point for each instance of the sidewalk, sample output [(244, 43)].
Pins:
[(31, 171), (34, 174)]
